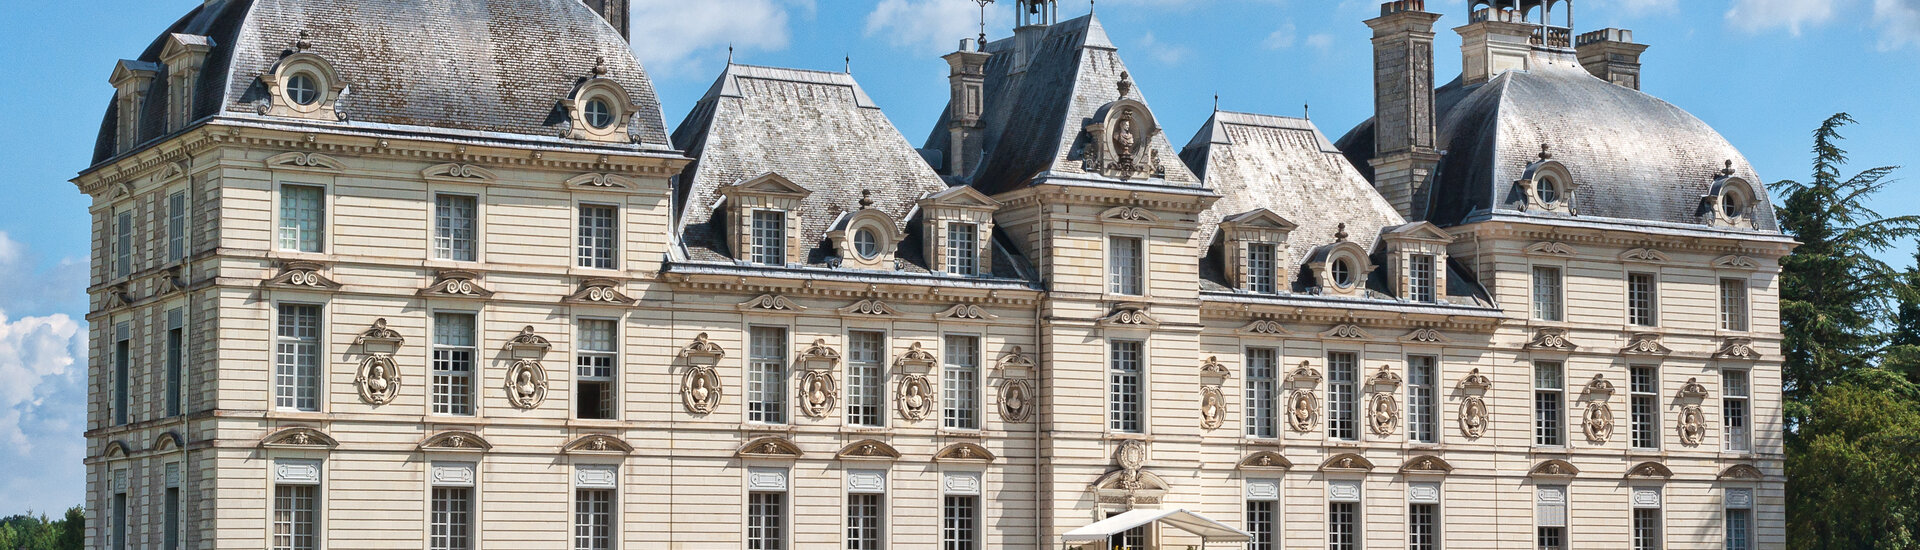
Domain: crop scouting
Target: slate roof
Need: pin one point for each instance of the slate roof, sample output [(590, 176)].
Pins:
[(1635, 157), (487, 66), (818, 130), (1036, 119)]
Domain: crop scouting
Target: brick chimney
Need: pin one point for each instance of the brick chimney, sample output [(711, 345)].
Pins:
[(967, 79), (1611, 55), (615, 12), (1495, 41), (1403, 122)]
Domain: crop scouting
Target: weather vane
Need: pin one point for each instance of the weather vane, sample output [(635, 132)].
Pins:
[(983, 22)]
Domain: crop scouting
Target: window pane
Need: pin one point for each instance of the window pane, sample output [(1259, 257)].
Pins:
[(963, 249), (598, 235), (1641, 300), (1260, 392), (766, 521), (123, 244), (1342, 396), (296, 379), (1739, 530), (1734, 412), (1645, 390), (593, 519), (1423, 423), (864, 520), (1733, 305), (1546, 293), (1420, 278), (1548, 407), (302, 217), (1646, 529), (176, 358), (452, 518), (1422, 527), (1124, 255), (1124, 387), (1342, 526), (866, 376), (769, 237), (122, 372), (1260, 268), (454, 227), (767, 378), (293, 517), (1260, 524), (177, 226), (959, 523), (453, 356), (595, 365), (960, 383)]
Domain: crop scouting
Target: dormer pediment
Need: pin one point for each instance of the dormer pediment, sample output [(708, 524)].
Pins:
[(179, 44), (769, 184), (127, 70), (1418, 231), (1259, 218), (962, 196)]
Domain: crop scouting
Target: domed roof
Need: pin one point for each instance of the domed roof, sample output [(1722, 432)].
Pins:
[(1634, 156), (479, 69)]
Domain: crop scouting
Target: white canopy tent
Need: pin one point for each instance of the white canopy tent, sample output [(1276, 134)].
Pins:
[(1209, 531)]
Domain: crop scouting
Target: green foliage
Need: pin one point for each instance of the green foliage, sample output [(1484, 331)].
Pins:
[(38, 533), (1856, 475)]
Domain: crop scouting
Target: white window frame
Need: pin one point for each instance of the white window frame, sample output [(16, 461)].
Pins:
[(459, 479), (602, 480), (1550, 425), (1263, 273), (1343, 396), (296, 386), (1264, 492), (1646, 500), (953, 534), (1422, 278), (1738, 505), (761, 485), (864, 532), (1126, 269), (1549, 293), (290, 237), (1423, 399), (1735, 311), (1736, 409), (443, 401), (767, 245), (866, 380), (1336, 495), (293, 475), (1426, 494), (1643, 407), (172, 536), (1263, 392), (1550, 512), (767, 376), (178, 218), (597, 366), (1126, 386), (448, 244), (1651, 297), (960, 379), (594, 246), (963, 249)]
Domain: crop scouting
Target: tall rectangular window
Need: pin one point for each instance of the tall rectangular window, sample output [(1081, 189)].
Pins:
[(599, 236), (294, 510), (592, 519), (1343, 397), (452, 518), (1644, 414), (170, 529), (866, 378), (1125, 386), (960, 523), (766, 520), (960, 384), (594, 368), (1124, 266), (120, 511), (1548, 294), (454, 227), (1423, 420), (1421, 278), (1646, 520), (767, 375), (865, 516), (303, 218), (123, 243), (296, 368), (1261, 525), (1739, 504), (1735, 414), (176, 358), (1643, 300), (122, 371), (1549, 411), (963, 249), (454, 346), (769, 237), (1550, 517), (1343, 525), (1423, 526), (1261, 383), (1261, 275), (177, 226), (1733, 305)]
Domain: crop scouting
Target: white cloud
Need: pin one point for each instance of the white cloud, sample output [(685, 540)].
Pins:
[(1170, 54), (671, 36), (1899, 22), (1320, 41), (1283, 37), (931, 26), (31, 288), (1793, 15), (37, 354), (1647, 6)]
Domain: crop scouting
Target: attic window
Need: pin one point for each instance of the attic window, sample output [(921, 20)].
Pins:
[(599, 113), (1549, 190), (1343, 273), (1734, 204), (866, 243), (302, 89)]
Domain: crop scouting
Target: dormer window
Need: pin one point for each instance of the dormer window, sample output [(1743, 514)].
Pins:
[(1340, 269), (1261, 273), (1416, 256), (599, 107), (1420, 276), (599, 114), (1549, 190), (769, 237), (1734, 205), (866, 243), (1254, 246), (302, 89), (956, 225), (865, 238), (1730, 202), (303, 85), (1343, 273), (963, 249), (1547, 186)]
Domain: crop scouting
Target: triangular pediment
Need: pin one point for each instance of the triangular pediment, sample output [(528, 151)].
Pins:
[(1420, 231), (128, 68), (768, 184), (962, 196), (1259, 218), (179, 43)]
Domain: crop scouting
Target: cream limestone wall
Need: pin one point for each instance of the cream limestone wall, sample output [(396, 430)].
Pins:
[(684, 483)]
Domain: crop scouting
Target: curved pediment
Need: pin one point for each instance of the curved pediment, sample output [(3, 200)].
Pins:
[(868, 449), (1266, 460), (299, 438), (770, 447), (598, 444), (1742, 472), (169, 441), (1554, 468), (1346, 462), (456, 441), (963, 452), (1650, 470), (1130, 487), (116, 449), (1426, 465)]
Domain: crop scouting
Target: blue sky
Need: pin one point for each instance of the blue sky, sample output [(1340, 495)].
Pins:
[(1763, 72)]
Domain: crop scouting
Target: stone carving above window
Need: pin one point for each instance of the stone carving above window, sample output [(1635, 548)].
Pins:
[(700, 389), (1554, 469), (1736, 348), (967, 312), (1644, 255), (302, 275), (1267, 461), (703, 348), (1736, 262), (870, 307), (605, 444), (455, 441), (458, 172), (818, 393), (1350, 332), (526, 384), (1693, 389), (528, 344), (1645, 343), (818, 356), (1016, 362), (868, 449), (1129, 315), (1384, 379), (1213, 407), (1426, 336), (1120, 142), (1346, 462), (964, 453), (772, 302), (1129, 214), (1212, 368), (601, 181), (915, 397), (1266, 327), (1426, 465), (771, 448), (600, 292), (1016, 400), (1599, 386), (1475, 380), (1650, 470), (1551, 248), (298, 437), (456, 283), (1742, 472), (1304, 374), (915, 356), (1552, 339)]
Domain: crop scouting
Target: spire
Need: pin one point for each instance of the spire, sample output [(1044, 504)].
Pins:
[(983, 20)]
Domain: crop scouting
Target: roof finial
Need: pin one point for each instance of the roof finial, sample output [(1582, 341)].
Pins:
[(1729, 169), (729, 53), (302, 44), (1126, 83), (1091, 4), (1216, 102), (983, 22), (1306, 111), (866, 198), (600, 66), (849, 64), (1545, 152), (1340, 234)]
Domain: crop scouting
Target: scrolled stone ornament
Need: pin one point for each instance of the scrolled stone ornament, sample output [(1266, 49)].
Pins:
[(1302, 407), (700, 390), (1693, 425), (1212, 408), (378, 380), (1016, 400), (818, 393), (1383, 414), (1599, 422), (915, 397), (526, 384), (1473, 417)]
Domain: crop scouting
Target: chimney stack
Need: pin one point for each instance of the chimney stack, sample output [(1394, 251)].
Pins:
[(1494, 41), (616, 14), (1403, 122), (1611, 55), (967, 79)]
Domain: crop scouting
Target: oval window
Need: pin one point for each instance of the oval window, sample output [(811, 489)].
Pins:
[(1549, 191), (599, 113), (1342, 273), (302, 89), (1734, 204), (865, 243)]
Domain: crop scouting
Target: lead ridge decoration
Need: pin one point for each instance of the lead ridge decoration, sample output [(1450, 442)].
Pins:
[(915, 397), (818, 393), (1016, 400), (700, 389)]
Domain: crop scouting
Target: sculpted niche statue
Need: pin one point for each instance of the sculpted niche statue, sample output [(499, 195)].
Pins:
[(700, 390), (1300, 414), (1015, 406), (1383, 414), (378, 380), (1693, 425), (915, 404), (526, 384), (1211, 410), (1599, 424), (819, 392), (1473, 417)]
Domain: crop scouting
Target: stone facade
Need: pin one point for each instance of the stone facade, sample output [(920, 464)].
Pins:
[(326, 332)]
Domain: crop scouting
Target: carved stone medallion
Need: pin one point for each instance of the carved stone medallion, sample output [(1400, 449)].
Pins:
[(700, 389), (818, 393), (1383, 414), (378, 380), (1693, 425), (1302, 407), (1473, 417), (1016, 400), (1212, 407), (526, 384), (915, 397), (1599, 422)]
